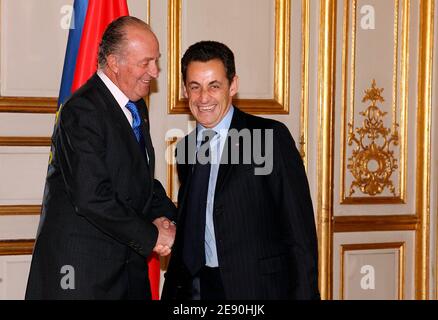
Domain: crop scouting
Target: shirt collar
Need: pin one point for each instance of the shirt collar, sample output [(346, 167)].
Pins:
[(120, 97), (221, 128)]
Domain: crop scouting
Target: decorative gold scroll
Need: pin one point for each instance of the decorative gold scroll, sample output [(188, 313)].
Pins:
[(372, 162)]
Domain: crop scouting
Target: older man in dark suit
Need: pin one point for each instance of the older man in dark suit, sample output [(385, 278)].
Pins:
[(103, 211), (246, 227)]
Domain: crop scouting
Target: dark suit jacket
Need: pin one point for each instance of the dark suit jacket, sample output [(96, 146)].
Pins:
[(99, 202), (264, 224)]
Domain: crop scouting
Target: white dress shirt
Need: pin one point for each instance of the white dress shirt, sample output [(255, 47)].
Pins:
[(120, 97)]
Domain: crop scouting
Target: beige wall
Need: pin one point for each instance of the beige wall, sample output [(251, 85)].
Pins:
[(379, 232)]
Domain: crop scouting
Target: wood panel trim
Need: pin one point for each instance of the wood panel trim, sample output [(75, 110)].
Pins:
[(28, 105), (21, 210), (16, 247), (25, 141), (375, 223)]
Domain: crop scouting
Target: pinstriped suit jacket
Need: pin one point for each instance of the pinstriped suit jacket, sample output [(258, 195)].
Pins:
[(264, 224)]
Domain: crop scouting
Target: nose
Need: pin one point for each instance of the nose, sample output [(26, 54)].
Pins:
[(153, 69), (203, 96)]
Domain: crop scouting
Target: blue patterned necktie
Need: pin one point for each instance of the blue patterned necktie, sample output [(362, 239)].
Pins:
[(136, 119), (136, 127)]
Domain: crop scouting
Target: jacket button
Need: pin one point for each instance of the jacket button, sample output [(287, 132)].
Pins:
[(218, 210)]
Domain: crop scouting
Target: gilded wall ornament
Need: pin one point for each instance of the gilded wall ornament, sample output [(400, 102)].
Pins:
[(372, 162)]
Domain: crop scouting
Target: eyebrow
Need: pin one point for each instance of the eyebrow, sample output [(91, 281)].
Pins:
[(152, 58), (210, 83)]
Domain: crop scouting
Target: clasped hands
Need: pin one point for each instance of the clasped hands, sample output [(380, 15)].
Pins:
[(166, 236)]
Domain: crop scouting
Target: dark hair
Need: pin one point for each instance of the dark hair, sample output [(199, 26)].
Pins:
[(114, 37), (204, 51)]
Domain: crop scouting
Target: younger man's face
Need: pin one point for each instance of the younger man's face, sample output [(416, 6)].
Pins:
[(209, 91)]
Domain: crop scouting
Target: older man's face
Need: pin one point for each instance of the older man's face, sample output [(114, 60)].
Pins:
[(137, 63)]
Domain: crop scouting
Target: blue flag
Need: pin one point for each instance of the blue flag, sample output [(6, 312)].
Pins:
[(74, 39)]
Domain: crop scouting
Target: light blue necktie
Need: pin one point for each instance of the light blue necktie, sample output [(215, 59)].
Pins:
[(136, 119)]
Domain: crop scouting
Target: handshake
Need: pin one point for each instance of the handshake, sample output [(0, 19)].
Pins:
[(166, 236)]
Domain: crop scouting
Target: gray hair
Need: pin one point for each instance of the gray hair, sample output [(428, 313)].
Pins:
[(114, 37)]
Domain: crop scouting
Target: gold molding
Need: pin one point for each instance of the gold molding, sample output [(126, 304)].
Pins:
[(25, 141), (424, 120), (375, 223), (20, 210), (170, 165), (400, 246), (397, 87), (16, 247), (148, 16), (279, 104), (376, 200), (305, 57), (326, 85), (28, 105), (404, 94)]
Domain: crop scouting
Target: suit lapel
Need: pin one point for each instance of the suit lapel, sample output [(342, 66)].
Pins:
[(226, 167), (147, 136), (145, 128), (186, 168)]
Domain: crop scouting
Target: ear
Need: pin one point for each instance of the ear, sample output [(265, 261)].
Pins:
[(185, 92), (234, 87), (112, 63)]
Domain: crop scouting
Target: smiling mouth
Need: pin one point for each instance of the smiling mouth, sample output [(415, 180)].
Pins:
[(206, 108)]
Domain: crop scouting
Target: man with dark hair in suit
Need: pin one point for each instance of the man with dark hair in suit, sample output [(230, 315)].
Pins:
[(246, 227), (103, 212)]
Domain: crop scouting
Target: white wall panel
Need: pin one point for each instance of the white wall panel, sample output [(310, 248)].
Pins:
[(26, 125), (408, 237), (33, 43), (363, 71), (139, 9), (247, 27), (22, 174), (18, 227), (14, 271)]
